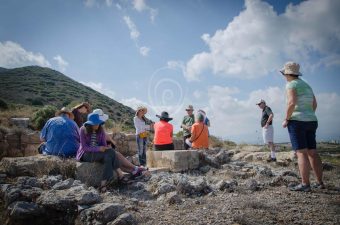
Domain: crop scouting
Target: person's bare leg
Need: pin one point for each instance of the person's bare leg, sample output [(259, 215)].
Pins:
[(304, 166), (316, 164), (125, 164), (272, 150)]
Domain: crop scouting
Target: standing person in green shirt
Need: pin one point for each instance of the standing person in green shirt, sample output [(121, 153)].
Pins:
[(187, 122), (301, 121)]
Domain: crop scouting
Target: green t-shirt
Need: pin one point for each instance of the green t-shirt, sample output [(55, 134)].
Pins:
[(304, 105), (188, 121)]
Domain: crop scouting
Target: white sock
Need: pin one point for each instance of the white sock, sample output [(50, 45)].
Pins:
[(272, 154)]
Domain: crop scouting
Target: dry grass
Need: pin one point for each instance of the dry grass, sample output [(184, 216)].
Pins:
[(16, 111)]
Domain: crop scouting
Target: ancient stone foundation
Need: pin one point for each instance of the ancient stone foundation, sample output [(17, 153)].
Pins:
[(175, 160)]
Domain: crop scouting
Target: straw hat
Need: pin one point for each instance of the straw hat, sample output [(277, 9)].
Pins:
[(83, 104), (65, 110), (291, 68), (139, 108), (102, 115)]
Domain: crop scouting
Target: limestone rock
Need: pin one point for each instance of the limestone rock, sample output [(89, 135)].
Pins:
[(67, 200), (124, 219), (173, 198), (101, 213), (24, 210), (90, 173), (37, 166), (165, 188), (175, 160), (252, 185)]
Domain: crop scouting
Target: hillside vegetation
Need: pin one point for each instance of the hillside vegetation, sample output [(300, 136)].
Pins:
[(36, 86)]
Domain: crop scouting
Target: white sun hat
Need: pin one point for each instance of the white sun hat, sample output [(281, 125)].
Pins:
[(102, 115), (291, 68)]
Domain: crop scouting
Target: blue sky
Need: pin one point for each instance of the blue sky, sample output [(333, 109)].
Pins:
[(221, 56)]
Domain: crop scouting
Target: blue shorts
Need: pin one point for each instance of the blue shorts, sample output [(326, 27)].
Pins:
[(302, 134)]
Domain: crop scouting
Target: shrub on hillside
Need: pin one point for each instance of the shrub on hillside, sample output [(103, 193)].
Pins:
[(42, 115), (36, 101), (3, 104)]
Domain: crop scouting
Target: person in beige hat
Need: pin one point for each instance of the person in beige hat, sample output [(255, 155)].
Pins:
[(187, 122), (142, 130), (80, 113), (60, 135), (301, 121)]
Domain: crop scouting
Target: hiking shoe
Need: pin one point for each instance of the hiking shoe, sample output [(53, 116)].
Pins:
[(318, 185), (301, 187), (270, 159)]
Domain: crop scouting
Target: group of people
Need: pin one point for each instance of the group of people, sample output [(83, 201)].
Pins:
[(68, 134), (82, 134), (195, 131), (301, 121)]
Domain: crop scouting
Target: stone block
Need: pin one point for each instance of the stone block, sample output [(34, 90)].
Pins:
[(178, 143), (175, 160), (20, 122), (90, 173), (37, 166)]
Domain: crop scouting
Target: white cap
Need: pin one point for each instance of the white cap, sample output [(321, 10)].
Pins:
[(102, 115)]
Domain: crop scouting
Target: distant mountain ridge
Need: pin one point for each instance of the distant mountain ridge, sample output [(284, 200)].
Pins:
[(35, 85)]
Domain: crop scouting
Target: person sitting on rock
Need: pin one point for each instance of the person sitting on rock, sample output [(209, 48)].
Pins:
[(80, 113), (163, 133), (94, 148), (199, 133), (60, 135), (104, 117)]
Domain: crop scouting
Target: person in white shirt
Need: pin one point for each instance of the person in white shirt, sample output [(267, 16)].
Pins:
[(142, 131)]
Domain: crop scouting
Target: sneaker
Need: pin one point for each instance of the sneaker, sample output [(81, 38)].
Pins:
[(301, 187), (318, 185), (139, 172)]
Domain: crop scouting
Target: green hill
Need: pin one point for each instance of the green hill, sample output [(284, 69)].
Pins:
[(38, 86)]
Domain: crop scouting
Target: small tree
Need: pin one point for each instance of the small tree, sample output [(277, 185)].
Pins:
[(42, 115)]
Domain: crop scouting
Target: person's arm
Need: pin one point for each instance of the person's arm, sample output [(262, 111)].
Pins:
[(193, 134), (291, 103), (43, 134), (183, 125), (270, 118), (171, 131), (315, 104), (86, 146)]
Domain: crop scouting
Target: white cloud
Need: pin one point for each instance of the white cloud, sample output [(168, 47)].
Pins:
[(144, 51), (134, 33), (259, 40), (141, 6), (239, 120), (90, 3), (100, 88), (62, 64), (197, 94), (108, 3), (13, 55), (118, 6)]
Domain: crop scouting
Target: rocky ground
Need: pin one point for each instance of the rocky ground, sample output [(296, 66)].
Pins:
[(230, 187)]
